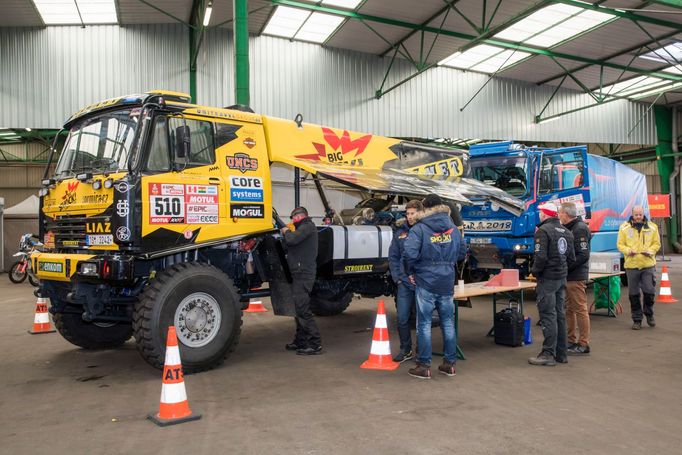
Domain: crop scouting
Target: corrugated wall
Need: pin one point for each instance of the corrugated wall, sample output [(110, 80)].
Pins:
[(49, 73)]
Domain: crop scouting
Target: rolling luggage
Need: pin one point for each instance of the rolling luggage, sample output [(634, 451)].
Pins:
[(508, 326)]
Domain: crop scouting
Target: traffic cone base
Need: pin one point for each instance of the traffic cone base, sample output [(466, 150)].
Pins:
[(174, 407), (665, 295), (255, 306), (41, 320), (380, 352)]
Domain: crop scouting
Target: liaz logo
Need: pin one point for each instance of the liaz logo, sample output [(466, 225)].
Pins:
[(242, 162), (338, 149), (69, 195), (97, 228)]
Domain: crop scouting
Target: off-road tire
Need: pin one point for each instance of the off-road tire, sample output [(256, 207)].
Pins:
[(156, 308), (326, 304), (11, 274), (88, 335), (35, 282)]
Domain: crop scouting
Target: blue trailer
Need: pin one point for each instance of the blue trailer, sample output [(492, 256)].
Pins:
[(603, 190)]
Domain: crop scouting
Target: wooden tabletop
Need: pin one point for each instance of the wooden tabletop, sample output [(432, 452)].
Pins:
[(597, 275), (479, 289)]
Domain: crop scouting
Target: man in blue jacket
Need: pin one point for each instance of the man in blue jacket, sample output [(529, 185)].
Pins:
[(432, 250), (404, 289)]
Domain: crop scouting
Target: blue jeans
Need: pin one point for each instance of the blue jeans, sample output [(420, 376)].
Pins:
[(404, 303), (426, 302)]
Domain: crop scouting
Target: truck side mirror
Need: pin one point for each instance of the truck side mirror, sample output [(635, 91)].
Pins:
[(182, 142)]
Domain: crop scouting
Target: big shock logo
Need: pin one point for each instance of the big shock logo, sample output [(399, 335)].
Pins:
[(69, 195), (338, 149)]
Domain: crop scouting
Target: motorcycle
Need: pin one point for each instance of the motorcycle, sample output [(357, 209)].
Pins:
[(21, 269)]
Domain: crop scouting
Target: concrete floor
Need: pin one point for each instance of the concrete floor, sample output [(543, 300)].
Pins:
[(625, 398)]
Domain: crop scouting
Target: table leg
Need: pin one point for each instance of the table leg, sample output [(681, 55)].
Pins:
[(460, 353), (491, 332)]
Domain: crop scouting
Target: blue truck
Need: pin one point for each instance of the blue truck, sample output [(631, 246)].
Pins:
[(603, 190)]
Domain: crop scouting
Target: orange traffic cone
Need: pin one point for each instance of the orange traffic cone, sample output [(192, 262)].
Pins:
[(255, 306), (174, 407), (665, 295), (380, 352), (41, 320)]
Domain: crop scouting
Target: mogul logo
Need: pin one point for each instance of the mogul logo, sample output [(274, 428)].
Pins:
[(442, 237), (69, 195), (98, 228), (338, 149), (247, 211), (358, 268), (242, 162)]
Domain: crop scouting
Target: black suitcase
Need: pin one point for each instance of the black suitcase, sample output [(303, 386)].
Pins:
[(508, 326)]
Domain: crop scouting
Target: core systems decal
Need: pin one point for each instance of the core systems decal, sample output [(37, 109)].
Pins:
[(183, 204), (246, 189), (242, 162), (247, 211)]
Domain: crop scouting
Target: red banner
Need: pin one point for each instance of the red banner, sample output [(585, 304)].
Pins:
[(659, 205)]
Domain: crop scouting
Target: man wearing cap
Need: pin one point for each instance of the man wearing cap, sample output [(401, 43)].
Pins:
[(639, 242), (577, 314), (553, 252), (431, 252), (301, 244)]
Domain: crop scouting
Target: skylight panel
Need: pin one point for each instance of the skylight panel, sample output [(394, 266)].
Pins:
[(350, 4), (677, 69), (500, 61), (470, 57), (553, 24), (319, 27), (286, 21), (66, 12), (634, 85), (672, 53), (658, 90)]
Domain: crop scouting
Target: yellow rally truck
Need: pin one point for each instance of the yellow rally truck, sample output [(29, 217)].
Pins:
[(159, 212)]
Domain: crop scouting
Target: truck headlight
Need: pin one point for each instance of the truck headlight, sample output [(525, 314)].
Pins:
[(88, 268), (520, 247)]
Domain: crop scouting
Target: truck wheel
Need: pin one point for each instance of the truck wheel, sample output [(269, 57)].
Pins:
[(91, 335), (202, 303), (326, 304)]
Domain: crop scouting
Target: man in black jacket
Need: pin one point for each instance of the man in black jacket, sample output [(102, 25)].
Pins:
[(301, 243), (576, 281), (553, 252)]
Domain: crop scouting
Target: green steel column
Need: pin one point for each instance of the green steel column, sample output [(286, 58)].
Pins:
[(666, 163), (241, 53), (192, 67)]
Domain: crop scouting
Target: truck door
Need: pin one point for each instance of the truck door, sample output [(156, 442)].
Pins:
[(563, 177)]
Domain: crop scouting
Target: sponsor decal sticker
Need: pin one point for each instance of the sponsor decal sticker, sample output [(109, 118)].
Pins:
[(247, 211), (338, 149), (96, 228), (122, 187), (123, 233), (358, 268), (183, 204), (122, 208), (69, 195), (246, 189), (96, 199), (242, 162), (53, 267), (249, 142)]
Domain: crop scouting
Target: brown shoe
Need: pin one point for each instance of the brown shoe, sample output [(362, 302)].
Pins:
[(543, 359), (420, 371), (637, 325), (447, 368)]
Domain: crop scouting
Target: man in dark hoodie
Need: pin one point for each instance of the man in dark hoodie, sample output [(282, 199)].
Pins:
[(553, 252), (431, 252), (301, 244), (639, 242), (577, 314), (404, 288)]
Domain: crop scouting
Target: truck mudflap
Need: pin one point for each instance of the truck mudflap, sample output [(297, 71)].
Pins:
[(57, 266), (270, 261)]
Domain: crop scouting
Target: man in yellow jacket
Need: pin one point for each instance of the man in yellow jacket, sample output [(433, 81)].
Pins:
[(639, 242)]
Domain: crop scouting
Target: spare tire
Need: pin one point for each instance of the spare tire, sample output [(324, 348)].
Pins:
[(326, 304)]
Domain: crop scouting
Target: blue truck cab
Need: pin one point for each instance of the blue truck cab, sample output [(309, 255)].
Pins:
[(603, 190)]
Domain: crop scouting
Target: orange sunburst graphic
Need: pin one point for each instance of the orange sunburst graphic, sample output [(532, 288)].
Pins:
[(337, 148)]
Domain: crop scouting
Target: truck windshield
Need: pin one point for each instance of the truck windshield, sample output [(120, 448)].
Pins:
[(508, 173), (99, 144)]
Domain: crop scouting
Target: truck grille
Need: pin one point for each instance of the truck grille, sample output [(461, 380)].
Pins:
[(70, 231)]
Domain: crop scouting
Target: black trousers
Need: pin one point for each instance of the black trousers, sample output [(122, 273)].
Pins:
[(307, 333), (551, 295)]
